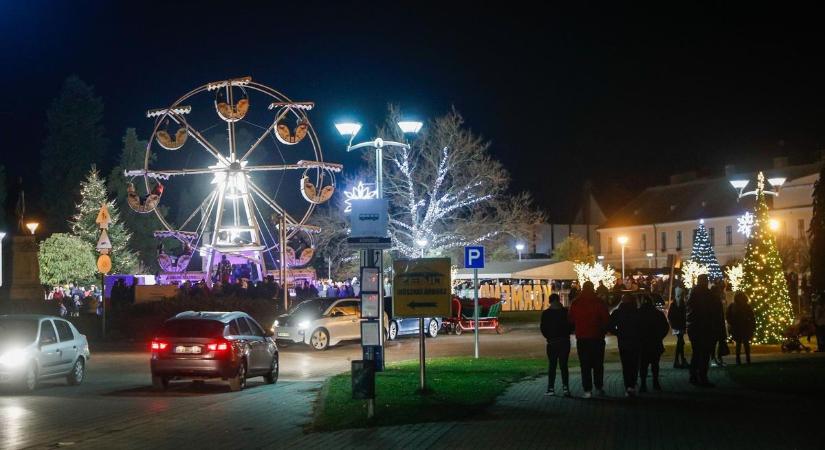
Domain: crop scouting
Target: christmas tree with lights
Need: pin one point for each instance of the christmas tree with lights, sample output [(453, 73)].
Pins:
[(93, 194), (763, 280), (703, 253)]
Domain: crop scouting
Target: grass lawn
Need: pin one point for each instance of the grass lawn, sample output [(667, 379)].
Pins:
[(803, 376), (520, 317), (459, 387)]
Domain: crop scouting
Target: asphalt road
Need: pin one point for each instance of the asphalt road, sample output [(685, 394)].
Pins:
[(115, 407)]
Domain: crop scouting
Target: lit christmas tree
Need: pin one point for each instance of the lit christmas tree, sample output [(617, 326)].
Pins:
[(703, 254), (763, 280), (93, 194)]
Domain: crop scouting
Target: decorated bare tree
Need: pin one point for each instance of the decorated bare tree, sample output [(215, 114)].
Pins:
[(448, 192)]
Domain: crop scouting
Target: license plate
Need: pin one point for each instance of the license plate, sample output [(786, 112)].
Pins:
[(189, 350), (282, 334)]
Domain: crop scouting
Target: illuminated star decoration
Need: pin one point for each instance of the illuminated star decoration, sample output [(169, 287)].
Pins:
[(360, 191), (746, 223)]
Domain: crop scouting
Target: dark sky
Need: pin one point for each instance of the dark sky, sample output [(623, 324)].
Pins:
[(622, 97)]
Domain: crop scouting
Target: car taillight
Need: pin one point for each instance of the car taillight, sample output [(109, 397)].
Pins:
[(218, 346), (159, 345)]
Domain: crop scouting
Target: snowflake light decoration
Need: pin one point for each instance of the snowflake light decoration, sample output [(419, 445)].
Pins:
[(746, 223), (735, 274), (360, 191)]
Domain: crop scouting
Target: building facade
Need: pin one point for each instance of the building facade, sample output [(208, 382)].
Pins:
[(662, 219)]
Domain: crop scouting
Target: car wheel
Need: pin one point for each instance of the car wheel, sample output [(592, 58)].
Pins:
[(272, 376), (319, 339), (78, 373), (239, 382), (160, 383), (432, 330), (29, 382), (392, 332), (457, 330)]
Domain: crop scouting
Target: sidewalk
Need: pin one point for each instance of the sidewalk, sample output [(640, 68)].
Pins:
[(680, 417)]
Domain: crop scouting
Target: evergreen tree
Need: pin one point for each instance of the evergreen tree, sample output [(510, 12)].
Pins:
[(702, 253), (74, 140), (763, 280), (92, 195), (142, 226), (817, 236), (66, 259)]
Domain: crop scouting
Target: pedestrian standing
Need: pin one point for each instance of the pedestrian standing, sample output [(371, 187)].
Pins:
[(721, 349), (742, 323), (590, 319), (703, 329), (676, 318), (556, 330), (654, 328), (624, 323)]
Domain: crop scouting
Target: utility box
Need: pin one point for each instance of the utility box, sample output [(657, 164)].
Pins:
[(363, 380)]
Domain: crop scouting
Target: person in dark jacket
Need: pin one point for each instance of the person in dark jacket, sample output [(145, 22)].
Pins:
[(556, 330), (677, 319), (721, 349), (703, 326), (624, 323), (742, 323), (654, 328)]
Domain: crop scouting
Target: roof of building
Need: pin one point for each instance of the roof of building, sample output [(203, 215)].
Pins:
[(695, 199)]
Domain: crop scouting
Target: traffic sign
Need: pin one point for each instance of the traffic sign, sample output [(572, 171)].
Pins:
[(103, 218), (421, 287), (103, 242), (474, 257)]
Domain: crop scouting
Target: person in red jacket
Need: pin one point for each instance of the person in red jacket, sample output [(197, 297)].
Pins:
[(590, 319)]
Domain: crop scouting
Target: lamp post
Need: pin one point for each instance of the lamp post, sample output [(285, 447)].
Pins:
[(740, 185), (32, 226), (421, 243), (623, 243), (2, 236), (352, 128), (519, 248)]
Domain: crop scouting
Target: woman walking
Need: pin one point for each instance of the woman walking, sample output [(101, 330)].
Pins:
[(556, 330), (624, 323), (654, 328), (742, 323)]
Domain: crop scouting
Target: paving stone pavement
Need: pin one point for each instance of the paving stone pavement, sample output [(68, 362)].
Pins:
[(680, 417)]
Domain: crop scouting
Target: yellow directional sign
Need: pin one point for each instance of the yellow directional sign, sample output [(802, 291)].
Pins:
[(103, 242), (421, 288)]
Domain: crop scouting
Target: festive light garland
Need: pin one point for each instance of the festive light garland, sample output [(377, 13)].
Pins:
[(763, 279), (702, 252), (691, 271), (595, 272), (735, 274)]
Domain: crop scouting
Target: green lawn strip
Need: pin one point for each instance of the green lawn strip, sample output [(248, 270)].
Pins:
[(459, 387), (798, 376), (520, 317)]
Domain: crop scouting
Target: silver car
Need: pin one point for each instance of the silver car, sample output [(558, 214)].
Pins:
[(34, 348)]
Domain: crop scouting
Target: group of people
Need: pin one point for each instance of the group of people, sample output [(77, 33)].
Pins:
[(640, 328), (71, 300)]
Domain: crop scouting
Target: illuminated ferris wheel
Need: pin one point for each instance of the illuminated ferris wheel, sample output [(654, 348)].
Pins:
[(234, 155)]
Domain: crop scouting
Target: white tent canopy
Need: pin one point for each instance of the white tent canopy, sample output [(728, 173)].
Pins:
[(530, 269)]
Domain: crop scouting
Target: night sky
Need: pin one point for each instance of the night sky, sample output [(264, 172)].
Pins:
[(624, 98)]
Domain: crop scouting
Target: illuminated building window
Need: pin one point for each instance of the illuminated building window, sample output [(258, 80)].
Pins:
[(664, 241), (679, 241), (729, 235)]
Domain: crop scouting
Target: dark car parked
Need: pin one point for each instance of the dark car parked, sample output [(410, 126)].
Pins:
[(202, 345)]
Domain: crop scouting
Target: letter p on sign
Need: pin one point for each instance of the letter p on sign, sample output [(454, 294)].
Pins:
[(474, 257)]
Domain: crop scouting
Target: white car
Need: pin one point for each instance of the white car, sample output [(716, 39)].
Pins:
[(34, 348), (321, 322)]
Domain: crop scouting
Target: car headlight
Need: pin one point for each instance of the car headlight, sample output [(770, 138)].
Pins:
[(303, 325), (13, 358), (276, 324)]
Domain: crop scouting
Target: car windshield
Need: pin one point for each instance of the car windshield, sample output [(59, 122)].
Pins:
[(311, 309), (191, 328), (17, 330)]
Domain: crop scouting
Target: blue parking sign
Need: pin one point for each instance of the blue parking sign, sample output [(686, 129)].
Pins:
[(474, 257)]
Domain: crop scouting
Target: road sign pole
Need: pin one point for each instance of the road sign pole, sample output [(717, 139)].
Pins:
[(422, 369), (475, 307)]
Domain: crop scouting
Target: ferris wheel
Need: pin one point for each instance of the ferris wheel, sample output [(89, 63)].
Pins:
[(244, 169)]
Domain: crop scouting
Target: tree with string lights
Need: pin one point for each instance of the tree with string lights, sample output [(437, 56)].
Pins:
[(702, 253), (763, 280)]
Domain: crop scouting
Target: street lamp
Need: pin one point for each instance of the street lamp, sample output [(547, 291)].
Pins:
[(600, 258), (773, 224), (2, 236), (519, 248), (741, 184), (32, 226), (623, 242), (352, 128), (421, 243)]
